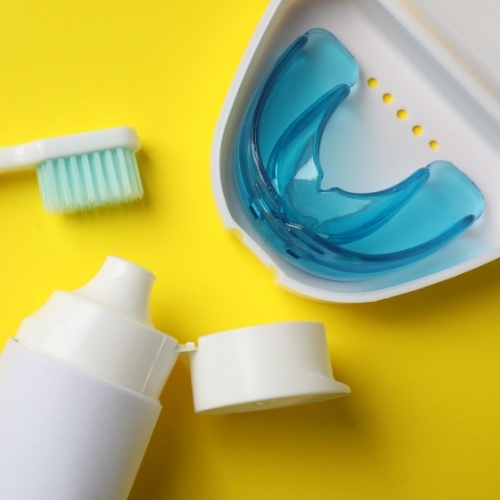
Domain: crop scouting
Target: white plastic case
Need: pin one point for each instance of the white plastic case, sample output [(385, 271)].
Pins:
[(440, 63)]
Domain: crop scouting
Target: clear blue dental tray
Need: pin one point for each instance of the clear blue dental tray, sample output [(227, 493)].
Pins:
[(355, 155)]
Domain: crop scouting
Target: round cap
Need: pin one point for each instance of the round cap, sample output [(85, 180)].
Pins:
[(263, 367)]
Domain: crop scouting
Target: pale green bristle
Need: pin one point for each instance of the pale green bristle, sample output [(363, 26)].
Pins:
[(89, 180)]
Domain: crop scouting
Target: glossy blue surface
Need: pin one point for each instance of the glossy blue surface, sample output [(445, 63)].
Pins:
[(333, 233)]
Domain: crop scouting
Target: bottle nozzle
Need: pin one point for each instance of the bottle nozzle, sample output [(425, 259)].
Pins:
[(122, 287)]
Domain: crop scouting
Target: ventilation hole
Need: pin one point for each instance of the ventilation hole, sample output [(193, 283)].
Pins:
[(417, 130), (402, 114), (387, 98)]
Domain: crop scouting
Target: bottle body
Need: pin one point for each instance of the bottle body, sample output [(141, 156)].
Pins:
[(66, 434)]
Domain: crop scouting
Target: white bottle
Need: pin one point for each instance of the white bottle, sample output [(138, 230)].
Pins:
[(79, 387), (79, 384)]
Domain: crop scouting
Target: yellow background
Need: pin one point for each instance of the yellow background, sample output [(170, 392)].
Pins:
[(423, 418)]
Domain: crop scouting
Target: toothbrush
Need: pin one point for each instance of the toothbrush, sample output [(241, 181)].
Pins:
[(81, 171)]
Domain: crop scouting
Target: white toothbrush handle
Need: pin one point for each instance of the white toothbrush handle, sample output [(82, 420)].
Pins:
[(18, 157), (29, 154)]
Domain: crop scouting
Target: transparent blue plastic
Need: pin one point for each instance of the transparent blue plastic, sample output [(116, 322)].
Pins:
[(332, 233)]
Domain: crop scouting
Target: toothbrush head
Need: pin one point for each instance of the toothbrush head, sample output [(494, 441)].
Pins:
[(81, 171), (89, 180), (89, 170)]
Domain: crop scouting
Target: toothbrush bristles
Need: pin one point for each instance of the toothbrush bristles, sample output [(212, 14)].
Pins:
[(89, 180)]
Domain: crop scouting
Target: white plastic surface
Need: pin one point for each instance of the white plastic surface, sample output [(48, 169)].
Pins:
[(66, 435), (32, 153), (263, 367), (104, 328), (465, 40), (440, 63)]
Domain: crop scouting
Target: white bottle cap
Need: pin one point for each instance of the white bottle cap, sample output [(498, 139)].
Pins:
[(263, 367), (104, 328)]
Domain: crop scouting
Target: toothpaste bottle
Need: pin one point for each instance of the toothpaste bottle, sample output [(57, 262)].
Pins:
[(79, 387)]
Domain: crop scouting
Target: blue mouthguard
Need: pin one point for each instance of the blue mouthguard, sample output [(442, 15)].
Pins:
[(333, 233)]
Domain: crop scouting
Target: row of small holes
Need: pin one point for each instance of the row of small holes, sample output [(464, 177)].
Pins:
[(402, 114)]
